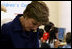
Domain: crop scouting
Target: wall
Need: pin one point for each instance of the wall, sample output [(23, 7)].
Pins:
[(53, 11), (65, 15)]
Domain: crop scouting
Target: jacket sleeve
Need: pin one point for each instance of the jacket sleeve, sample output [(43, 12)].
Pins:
[(37, 44), (4, 38)]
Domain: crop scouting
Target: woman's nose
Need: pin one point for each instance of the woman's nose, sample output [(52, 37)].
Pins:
[(35, 28)]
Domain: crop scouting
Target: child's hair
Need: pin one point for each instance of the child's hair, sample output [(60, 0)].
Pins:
[(53, 34), (68, 37), (41, 31), (48, 26)]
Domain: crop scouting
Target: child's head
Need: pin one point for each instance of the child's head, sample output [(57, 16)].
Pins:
[(48, 27)]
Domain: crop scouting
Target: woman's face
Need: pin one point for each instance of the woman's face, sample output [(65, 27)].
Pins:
[(30, 24)]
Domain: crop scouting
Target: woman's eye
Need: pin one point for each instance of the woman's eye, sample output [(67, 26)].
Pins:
[(34, 24)]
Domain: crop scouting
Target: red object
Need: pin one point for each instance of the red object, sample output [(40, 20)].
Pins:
[(46, 36)]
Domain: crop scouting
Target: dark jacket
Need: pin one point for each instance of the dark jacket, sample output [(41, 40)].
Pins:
[(12, 36)]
